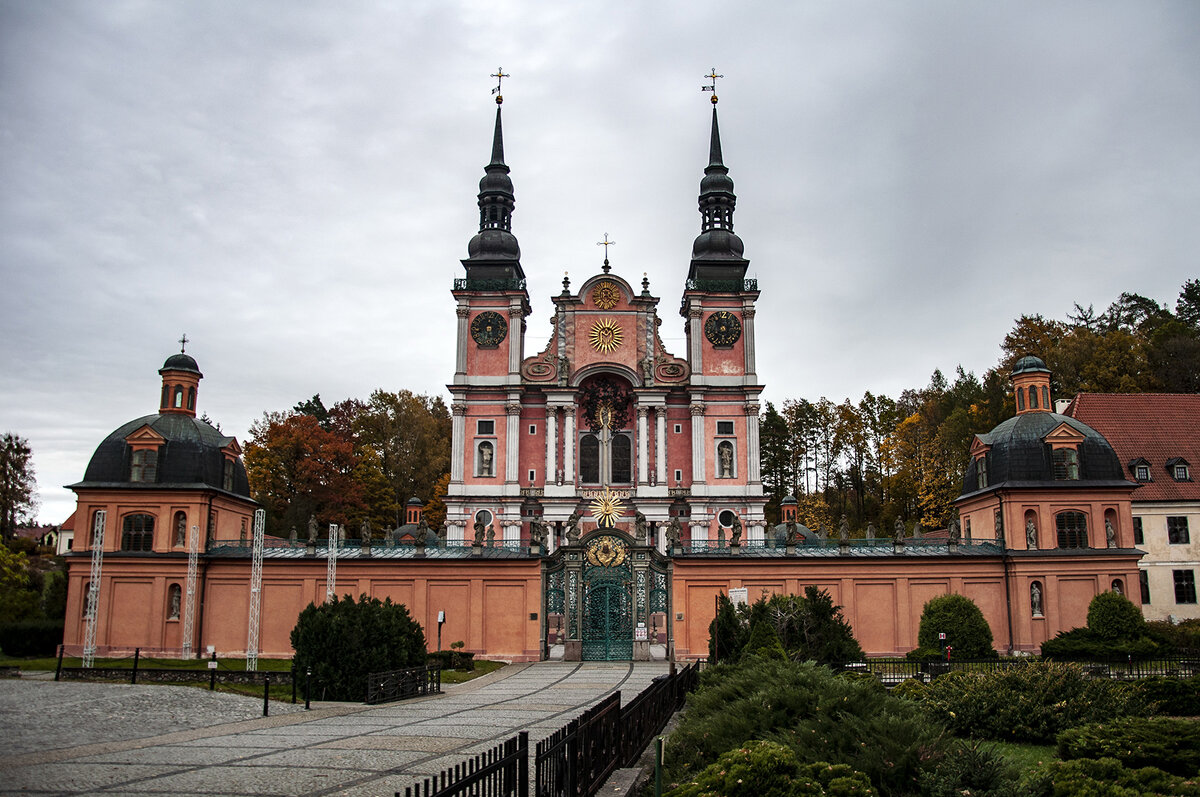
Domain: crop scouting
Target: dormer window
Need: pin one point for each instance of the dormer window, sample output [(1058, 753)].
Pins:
[(1142, 472), (143, 465), (1066, 464), (1179, 470), (981, 472)]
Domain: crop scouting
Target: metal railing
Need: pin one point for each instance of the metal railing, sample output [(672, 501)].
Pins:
[(576, 759), (392, 685), (502, 771), (723, 286), (489, 285)]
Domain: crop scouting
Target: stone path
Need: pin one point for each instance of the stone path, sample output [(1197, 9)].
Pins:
[(80, 738)]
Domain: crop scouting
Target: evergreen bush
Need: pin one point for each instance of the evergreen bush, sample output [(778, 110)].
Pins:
[(1113, 617), (764, 642), (31, 637), (768, 769), (967, 631), (971, 769), (727, 633), (344, 640), (812, 627), (1168, 743), (805, 707), (1105, 777), (1174, 639), (1172, 697), (1030, 702)]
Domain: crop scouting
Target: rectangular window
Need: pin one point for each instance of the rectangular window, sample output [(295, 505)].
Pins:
[(485, 427), (1144, 582), (1138, 537), (678, 477), (981, 474), (532, 476), (1177, 531), (533, 428), (1181, 473), (1066, 463), (724, 427), (1142, 473), (1185, 586), (678, 428)]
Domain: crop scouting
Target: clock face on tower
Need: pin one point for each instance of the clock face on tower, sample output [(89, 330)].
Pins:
[(489, 329), (722, 329)]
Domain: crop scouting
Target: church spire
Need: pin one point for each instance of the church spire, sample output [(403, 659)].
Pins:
[(717, 251), (494, 252)]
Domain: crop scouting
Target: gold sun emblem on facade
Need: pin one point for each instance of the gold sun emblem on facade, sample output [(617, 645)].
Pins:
[(605, 335), (606, 508), (606, 295)]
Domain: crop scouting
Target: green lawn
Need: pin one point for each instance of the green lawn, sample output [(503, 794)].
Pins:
[(481, 668), (1025, 756)]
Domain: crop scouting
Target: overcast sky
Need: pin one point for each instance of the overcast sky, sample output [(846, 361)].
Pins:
[(293, 185)]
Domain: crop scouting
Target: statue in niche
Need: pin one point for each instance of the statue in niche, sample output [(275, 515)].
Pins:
[(422, 531), (1110, 534), (725, 452), (1030, 535), (954, 532), (735, 533), (648, 369), (674, 532), (485, 459), (364, 531), (564, 370), (640, 527), (174, 610), (181, 530), (292, 536), (844, 531), (1035, 599), (480, 531), (572, 530)]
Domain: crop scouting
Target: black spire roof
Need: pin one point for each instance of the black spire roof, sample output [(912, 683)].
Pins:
[(494, 252), (717, 251)]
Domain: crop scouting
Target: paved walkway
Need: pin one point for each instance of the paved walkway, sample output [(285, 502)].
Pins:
[(82, 738)]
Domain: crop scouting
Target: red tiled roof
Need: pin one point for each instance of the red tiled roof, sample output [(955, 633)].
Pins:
[(1152, 426)]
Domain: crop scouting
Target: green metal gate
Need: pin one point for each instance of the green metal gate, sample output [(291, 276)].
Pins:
[(607, 633)]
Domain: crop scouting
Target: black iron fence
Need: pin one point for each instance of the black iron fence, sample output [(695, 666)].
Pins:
[(385, 687), (502, 771), (576, 759)]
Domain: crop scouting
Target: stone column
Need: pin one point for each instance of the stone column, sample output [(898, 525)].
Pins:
[(748, 338), (752, 461), (458, 438), (695, 340), (551, 443), (460, 357), (569, 443), (660, 444), (643, 461), (512, 442), (699, 443), (516, 339)]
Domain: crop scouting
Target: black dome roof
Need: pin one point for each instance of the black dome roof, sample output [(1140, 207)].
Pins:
[(180, 362), (1019, 453), (1029, 363), (191, 455)]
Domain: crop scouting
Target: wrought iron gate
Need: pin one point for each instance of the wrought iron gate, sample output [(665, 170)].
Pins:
[(607, 622)]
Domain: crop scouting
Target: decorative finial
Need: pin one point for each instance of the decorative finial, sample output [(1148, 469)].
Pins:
[(566, 284), (711, 86), (183, 342), (645, 283), (606, 243), (500, 75)]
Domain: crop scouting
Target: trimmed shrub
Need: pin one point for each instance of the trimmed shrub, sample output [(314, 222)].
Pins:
[(1172, 697), (1083, 644), (820, 716), (31, 638), (1172, 745), (1113, 617), (1104, 778), (451, 659), (767, 769), (971, 769), (967, 631), (1029, 702), (343, 640), (764, 642), (911, 689), (1174, 639)]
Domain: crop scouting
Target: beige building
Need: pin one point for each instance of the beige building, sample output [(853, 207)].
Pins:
[(1157, 439)]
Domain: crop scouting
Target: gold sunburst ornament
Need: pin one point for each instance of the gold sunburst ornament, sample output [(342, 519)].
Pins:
[(606, 508), (605, 336), (606, 295)]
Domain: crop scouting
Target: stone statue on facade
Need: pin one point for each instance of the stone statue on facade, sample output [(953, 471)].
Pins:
[(537, 532), (916, 530), (793, 533), (954, 532), (422, 534), (572, 530), (564, 370), (641, 527), (364, 531), (898, 529), (1035, 599), (648, 369), (735, 531), (312, 529), (292, 536), (480, 531), (844, 531), (870, 530), (341, 532), (674, 532), (491, 535), (1110, 534), (1030, 535)]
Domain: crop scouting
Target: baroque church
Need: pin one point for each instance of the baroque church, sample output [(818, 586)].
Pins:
[(603, 492)]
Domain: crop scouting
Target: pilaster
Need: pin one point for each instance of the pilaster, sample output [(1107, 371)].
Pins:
[(551, 444), (643, 463), (512, 442), (458, 436), (699, 443), (752, 458), (460, 356), (660, 445)]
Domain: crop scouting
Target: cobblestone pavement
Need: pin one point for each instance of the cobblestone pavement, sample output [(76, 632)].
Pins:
[(81, 738)]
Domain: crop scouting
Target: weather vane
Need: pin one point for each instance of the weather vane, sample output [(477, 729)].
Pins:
[(606, 243), (183, 342), (712, 86), (499, 75)]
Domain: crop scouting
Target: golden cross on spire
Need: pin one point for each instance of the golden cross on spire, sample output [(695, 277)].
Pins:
[(499, 74), (712, 86), (183, 342), (606, 243)]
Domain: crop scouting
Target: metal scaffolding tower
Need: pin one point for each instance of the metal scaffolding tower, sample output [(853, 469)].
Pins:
[(93, 593), (331, 554), (189, 601), (260, 522)]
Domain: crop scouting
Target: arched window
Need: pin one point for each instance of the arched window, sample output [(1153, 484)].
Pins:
[(180, 526), (143, 465), (192, 398), (1072, 529), (166, 397), (227, 481), (1033, 398), (485, 459), (622, 459), (981, 472), (1045, 397), (178, 396), (589, 459), (1020, 399), (174, 599), (137, 533), (1066, 464)]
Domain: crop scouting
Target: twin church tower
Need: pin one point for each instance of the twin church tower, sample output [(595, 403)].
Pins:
[(599, 426)]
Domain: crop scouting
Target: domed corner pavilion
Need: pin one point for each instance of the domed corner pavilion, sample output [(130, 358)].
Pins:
[(1050, 490)]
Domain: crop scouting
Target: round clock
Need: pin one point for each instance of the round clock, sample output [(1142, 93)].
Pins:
[(722, 328), (489, 329), (606, 552), (606, 295)]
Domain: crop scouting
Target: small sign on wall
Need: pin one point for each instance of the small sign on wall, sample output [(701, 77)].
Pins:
[(739, 596)]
